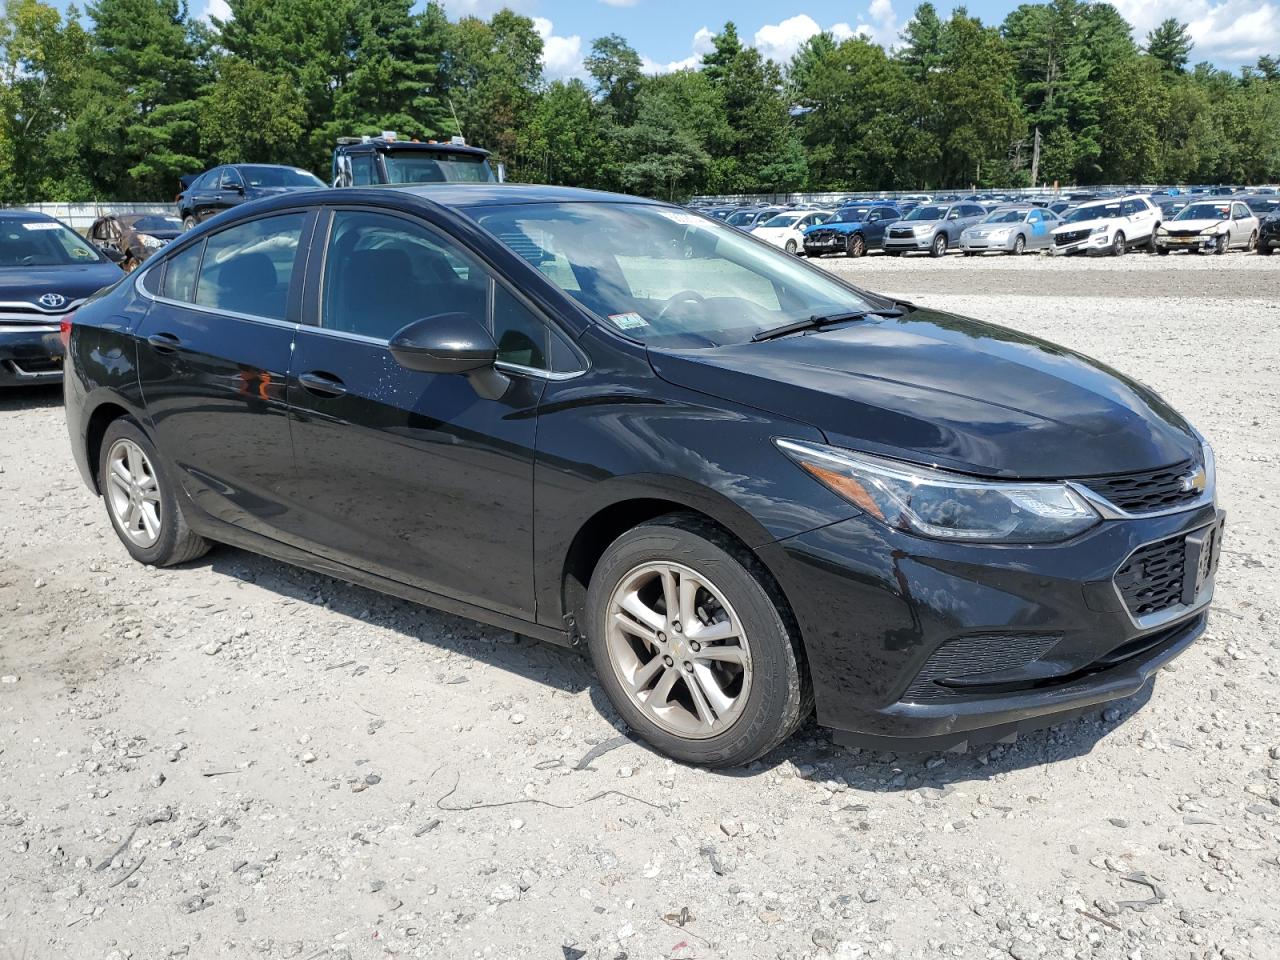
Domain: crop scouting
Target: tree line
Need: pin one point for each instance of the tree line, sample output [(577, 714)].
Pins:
[(118, 102)]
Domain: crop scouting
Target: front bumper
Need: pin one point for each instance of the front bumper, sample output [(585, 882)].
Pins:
[(30, 354), (983, 244), (1198, 244), (1269, 240), (918, 644), (908, 244), (1096, 243)]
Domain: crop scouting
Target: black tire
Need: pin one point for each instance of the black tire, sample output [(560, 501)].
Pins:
[(792, 248), (176, 543), (1019, 246), (780, 697), (894, 253), (1118, 248), (1162, 251), (1222, 244), (189, 222), (939, 246), (1266, 249), (1253, 242), (855, 246)]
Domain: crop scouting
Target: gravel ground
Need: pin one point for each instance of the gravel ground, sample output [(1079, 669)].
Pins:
[(238, 758)]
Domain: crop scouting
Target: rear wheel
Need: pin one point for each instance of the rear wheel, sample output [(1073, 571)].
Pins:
[(856, 246), (939, 248), (693, 644), (141, 501)]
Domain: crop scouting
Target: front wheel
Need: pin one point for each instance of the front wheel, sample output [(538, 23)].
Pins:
[(1019, 245), (792, 247), (693, 644), (1253, 242), (1222, 244), (856, 246), (141, 501), (1118, 248), (189, 222), (1265, 249), (939, 248)]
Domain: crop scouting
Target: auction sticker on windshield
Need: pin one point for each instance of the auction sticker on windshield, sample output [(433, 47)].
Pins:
[(628, 321)]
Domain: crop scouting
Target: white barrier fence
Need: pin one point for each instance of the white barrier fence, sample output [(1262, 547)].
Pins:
[(80, 216)]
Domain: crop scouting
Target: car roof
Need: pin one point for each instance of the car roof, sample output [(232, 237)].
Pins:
[(26, 216), (493, 194)]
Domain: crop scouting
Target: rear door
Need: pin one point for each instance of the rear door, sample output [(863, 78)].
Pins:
[(411, 475), (213, 355)]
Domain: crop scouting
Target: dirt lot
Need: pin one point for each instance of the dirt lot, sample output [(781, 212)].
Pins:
[(240, 759)]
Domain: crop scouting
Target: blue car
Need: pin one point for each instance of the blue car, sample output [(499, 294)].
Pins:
[(852, 231)]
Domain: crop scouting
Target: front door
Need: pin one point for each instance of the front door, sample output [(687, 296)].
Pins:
[(414, 476), (213, 355)]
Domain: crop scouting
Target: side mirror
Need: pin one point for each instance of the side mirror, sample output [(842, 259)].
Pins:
[(234, 187), (451, 343), (114, 254)]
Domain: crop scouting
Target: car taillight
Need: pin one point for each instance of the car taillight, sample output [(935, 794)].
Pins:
[(64, 330)]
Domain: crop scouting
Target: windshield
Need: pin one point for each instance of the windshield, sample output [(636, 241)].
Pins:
[(279, 177), (42, 243), (1205, 211), (1263, 206), (782, 220), (1102, 211), (1006, 216), (666, 277), (421, 166), (146, 224), (852, 214), (930, 212)]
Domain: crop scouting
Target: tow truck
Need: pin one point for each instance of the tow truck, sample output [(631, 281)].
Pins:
[(366, 160)]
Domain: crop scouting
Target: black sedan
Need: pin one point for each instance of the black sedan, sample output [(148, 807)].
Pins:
[(747, 487), (225, 187), (46, 272)]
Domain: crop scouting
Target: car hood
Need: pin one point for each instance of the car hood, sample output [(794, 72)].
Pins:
[(993, 227), (1083, 225), (1197, 225), (844, 226), (75, 281), (936, 388)]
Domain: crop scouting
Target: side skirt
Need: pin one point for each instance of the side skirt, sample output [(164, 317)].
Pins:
[(221, 532)]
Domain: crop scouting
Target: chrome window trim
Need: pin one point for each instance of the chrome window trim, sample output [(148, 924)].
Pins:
[(555, 375)]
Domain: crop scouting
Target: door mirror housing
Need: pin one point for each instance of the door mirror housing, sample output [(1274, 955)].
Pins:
[(451, 343)]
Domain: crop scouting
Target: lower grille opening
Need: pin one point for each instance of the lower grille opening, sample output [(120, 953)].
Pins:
[(971, 657)]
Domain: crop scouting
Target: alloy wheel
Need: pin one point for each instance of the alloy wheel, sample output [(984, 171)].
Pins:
[(133, 493), (678, 649), (857, 246), (1019, 245), (1117, 246), (1253, 242), (940, 245)]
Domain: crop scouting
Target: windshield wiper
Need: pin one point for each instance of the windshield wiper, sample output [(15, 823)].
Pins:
[(818, 321)]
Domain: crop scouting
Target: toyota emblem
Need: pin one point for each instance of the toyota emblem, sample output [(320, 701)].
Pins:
[(52, 300)]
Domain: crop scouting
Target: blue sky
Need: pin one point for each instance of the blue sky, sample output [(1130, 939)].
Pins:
[(673, 33)]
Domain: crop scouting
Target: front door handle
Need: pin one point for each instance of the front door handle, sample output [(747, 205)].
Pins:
[(164, 342), (322, 384)]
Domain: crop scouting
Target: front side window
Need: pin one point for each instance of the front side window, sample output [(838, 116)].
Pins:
[(247, 268), (384, 272), (230, 179), (664, 276), (362, 170)]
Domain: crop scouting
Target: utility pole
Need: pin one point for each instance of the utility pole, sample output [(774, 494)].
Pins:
[(1035, 159)]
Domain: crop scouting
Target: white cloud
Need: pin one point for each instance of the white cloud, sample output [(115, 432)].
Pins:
[(561, 56), (216, 8), (703, 43), (881, 24), (1230, 33), (780, 41)]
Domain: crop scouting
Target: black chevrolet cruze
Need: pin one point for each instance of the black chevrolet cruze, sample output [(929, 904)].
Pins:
[(747, 487)]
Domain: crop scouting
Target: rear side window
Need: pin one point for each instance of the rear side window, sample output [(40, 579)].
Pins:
[(180, 274), (247, 268)]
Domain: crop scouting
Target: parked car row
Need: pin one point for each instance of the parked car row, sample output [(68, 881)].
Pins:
[(1086, 225)]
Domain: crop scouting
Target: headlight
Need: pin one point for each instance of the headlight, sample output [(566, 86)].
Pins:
[(1162, 231), (1001, 234), (1211, 231), (150, 242), (942, 505), (1099, 231), (922, 228)]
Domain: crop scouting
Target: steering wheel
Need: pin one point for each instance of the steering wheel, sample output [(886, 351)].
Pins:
[(682, 296)]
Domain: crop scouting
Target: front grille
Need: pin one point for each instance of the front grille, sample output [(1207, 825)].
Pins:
[(1184, 233), (902, 234), (973, 656), (1070, 236), (1148, 491), (819, 236), (1151, 579)]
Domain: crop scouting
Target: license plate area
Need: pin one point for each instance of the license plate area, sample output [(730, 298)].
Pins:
[(1200, 562)]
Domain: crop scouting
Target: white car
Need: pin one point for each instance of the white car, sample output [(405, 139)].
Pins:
[(1205, 225), (1108, 226), (786, 230)]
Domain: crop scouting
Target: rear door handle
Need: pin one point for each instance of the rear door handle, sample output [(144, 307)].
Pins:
[(164, 342), (322, 384)]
